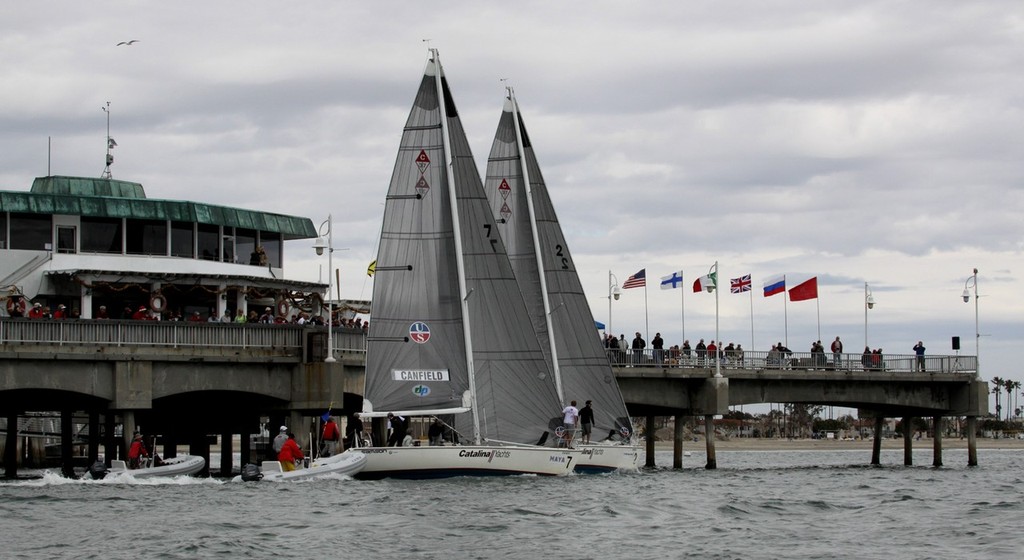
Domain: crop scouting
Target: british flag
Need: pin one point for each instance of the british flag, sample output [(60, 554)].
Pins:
[(740, 285)]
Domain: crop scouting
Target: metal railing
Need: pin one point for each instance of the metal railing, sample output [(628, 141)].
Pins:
[(805, 361), (171, 334)]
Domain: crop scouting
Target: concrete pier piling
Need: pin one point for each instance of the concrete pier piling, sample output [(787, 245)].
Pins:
[(876, 444), (937, 442), (908, 441), (709, 438), (677, 443)]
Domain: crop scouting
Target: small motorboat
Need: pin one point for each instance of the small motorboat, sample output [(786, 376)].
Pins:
[(175, 466), (348, 464)]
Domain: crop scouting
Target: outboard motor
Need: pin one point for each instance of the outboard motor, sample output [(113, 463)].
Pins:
[(251, 473), (98, 470)]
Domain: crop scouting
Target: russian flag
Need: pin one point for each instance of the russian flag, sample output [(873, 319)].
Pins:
[(775, 285)]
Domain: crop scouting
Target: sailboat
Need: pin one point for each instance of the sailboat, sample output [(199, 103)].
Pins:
[(551, 286), (451, 337)]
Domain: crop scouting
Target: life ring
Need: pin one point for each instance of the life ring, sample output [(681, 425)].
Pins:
[(157, 302), (317, 303), (16, 304), (282, 307)]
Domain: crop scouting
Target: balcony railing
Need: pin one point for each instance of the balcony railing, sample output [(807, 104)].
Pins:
[(761, 360), (289, 339)]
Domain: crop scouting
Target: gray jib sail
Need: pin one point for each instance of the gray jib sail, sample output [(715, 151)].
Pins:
[(416, 293), (582, 362)]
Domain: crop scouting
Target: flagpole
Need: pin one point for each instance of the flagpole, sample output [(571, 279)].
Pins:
[(647, 323), (751, 290), (718, 362), (682, 304), (785, 311), (817, 303)]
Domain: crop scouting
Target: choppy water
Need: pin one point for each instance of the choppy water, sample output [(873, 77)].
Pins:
[(792, 504)]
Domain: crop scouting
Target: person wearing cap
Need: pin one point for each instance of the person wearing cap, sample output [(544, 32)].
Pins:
[(586, 422), (102, 313), (36, 312), (267, 317), (280, 439), (140, 314), (61, 312), (137, 452), (290, 452)]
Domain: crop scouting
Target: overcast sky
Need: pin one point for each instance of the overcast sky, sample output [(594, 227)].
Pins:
[(876, 142)]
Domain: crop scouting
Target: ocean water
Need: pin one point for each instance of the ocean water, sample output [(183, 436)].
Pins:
[(770, 504)]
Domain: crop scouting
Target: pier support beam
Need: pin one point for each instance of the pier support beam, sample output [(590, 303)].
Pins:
[(94, 437), (11, 446), (709, 441), (109, 440), (245, 446), (67, 448), (677, 443), (876, 445), (908, 441), (972, 441), (127, 428), (649, 435), (937, 442), (226, 453)]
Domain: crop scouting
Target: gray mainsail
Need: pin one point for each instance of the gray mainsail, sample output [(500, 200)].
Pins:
[(449, 324), (561, 315)]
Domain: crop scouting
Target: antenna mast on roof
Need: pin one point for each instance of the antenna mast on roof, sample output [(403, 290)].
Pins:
[(110, 144)]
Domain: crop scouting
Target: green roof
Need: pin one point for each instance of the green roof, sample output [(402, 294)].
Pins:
[(108, 198)]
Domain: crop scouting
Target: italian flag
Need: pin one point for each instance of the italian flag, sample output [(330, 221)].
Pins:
[(707, 282)]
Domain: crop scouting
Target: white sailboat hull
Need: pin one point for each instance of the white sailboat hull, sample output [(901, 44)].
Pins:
[(182, 465), (604, 458), (341, 464), (469, 460)]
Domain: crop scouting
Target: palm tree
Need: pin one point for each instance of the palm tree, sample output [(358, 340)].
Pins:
[(997, 390), (1010, 387)]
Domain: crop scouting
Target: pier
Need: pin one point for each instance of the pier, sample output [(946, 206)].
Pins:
[(196, 384)]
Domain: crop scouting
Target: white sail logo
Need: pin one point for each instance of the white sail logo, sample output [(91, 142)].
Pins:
[(419, 375)]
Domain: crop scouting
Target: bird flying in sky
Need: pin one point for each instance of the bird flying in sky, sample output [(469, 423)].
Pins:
[(129, 43)]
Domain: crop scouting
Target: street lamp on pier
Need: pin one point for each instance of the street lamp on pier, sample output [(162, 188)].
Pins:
[(613, 293), (319, 245), (972, 282), (869, 303)]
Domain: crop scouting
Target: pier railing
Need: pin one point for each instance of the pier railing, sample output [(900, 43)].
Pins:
[(762, 360), (289, 339)]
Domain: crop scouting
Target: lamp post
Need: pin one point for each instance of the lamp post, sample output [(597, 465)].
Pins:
[(972, 282), (713, 286), (869, 303), (613, 293), (319, 246)]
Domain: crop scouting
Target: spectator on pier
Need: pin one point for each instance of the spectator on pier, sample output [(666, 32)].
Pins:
[(837, 352), (195, 317), (36, 312), (290, 452), (330, 436), (712, 352), (253, 317), (240, 316), (267, 317), (686, 350), (658, 345), (140, 314), (638, 349), (586, 422), (102, 313), (739, 355), (919, 351), (61, 312), (865, 359), (280, 439), (137, 452), (701, 351)]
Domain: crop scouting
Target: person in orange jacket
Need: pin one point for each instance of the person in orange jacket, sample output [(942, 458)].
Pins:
[(290, 452)]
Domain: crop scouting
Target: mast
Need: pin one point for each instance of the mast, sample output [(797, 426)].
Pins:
[(537, 247), (457, 232), (110, 145)]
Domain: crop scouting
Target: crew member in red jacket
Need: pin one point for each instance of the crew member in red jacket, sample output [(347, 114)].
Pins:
[(290, 453), (331, 437), (136, 452)]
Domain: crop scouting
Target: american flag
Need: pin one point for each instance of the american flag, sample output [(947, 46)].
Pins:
[(740, 285), (638, 280)]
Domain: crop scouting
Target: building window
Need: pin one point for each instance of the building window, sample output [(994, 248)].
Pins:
[(66, 239), (101, 235), (3, 230), (183, 240), (208, 242), (31, 232), (271, 242), (245, 246), (146, 237)]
